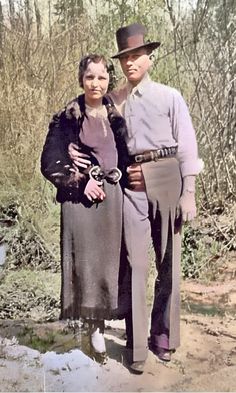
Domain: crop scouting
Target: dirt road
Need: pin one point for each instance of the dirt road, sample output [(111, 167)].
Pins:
[(206, 360)]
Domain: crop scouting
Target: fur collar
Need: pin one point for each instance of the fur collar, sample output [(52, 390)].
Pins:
[(72, 110)]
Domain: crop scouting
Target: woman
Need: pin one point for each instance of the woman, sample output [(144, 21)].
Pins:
[(91, 199)]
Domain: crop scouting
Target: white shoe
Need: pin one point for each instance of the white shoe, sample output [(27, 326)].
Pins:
[(98, 341)]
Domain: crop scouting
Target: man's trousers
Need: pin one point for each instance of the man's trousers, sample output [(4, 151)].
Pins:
[(151, 217)]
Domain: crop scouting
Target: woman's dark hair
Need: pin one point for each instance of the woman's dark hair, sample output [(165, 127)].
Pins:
[(95, 58)]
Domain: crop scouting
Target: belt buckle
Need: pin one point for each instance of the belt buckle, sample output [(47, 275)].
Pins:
[(96, 173), (138, 158), (156, 155), (114, 175)]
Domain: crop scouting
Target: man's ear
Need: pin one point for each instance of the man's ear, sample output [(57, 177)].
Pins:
[(150, 59)]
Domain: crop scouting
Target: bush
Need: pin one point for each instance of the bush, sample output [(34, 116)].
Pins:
[(199, 253), (31, 236)]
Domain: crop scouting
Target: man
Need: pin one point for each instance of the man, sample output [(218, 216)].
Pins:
[(160, 194)]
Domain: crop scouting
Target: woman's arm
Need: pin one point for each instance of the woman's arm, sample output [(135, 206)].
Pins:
[(56, 164)]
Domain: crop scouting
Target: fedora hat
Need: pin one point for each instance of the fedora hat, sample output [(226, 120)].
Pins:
[(131, 37)]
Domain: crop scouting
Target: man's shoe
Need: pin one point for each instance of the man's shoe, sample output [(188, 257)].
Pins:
[(138, 366), (98, 342), (162, 353)]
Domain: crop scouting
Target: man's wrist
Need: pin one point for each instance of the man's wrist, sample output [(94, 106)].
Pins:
[(188, 191), (189, 184)]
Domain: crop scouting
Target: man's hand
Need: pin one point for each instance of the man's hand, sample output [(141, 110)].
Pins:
[(187, 203), (135, 178), (93, 190), (187, 206), (79, 159)]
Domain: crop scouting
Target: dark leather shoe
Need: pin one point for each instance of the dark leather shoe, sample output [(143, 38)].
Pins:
[(162, 353), (138, 366)]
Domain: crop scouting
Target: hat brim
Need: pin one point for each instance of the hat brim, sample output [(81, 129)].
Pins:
[(150, 45)]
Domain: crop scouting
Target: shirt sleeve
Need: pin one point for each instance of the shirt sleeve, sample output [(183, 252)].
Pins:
[(184, 134), (119, 97)]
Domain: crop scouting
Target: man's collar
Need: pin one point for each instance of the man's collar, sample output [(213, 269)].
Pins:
[(140, 86)]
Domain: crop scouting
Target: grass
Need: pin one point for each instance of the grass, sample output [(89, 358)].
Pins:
[(31, 294), (30, 338)]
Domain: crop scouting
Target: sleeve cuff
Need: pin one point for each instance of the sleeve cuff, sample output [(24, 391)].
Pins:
[(191, 168)]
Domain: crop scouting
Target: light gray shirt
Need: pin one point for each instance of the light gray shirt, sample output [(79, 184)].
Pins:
[(157, 116)]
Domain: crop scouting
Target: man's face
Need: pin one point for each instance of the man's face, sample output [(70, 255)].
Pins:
[(135, 64)]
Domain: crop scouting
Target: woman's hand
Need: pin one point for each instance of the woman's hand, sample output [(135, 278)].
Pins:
[(93, 190), (79, 159)]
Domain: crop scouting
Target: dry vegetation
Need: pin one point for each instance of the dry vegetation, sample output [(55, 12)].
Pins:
[(41, 43)]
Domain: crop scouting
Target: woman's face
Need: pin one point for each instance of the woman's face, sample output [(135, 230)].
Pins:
[(95, 83)]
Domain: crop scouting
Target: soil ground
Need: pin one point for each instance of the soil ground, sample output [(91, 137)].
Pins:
[(205, 362)]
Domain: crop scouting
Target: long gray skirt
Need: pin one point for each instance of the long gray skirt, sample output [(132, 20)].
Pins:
[(90, 256)]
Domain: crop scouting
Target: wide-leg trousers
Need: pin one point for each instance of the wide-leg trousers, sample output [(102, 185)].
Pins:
[(151, 217)]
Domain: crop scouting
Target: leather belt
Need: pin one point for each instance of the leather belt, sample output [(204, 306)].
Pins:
[(154, 155)]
